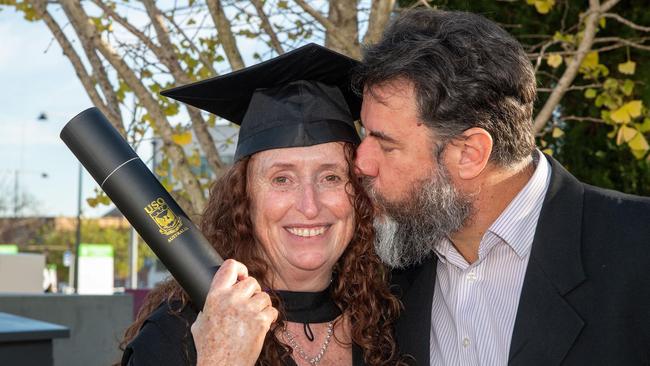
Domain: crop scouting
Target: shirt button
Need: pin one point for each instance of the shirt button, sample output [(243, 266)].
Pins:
[(471, 276), (466, 342)]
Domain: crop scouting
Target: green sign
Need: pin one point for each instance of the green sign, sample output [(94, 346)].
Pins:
[(95, 250), (8, 249)]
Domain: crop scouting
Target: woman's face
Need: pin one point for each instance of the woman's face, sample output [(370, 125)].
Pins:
[(301, 212)]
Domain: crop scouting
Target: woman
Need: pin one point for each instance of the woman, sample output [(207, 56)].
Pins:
[(304, 287)]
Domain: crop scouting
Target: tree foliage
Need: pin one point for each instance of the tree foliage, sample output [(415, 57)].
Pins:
[(55, 242), (591, 113)]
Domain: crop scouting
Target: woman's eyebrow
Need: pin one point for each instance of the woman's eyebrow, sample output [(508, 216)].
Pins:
[(282, 165), (331, 166), (324, 166)]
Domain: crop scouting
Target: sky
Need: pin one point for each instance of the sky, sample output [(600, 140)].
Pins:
[(35, 78)]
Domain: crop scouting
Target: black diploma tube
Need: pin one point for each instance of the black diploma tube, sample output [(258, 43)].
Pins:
[(144, 202)]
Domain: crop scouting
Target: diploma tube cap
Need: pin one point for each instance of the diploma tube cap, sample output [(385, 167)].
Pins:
[(99, 155)]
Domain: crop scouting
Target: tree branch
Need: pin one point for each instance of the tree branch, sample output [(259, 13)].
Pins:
[(226, 37), (331, 29), (583, 119), (128, 26), (379, 15), (206, 62), (87, 32), (77, 64), (627, 22), (167, 55), (591, 26), (620, 42), (101, 77), (266, 25), (574, 87)]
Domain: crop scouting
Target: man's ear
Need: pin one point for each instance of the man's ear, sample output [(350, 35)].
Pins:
[(471, 152)]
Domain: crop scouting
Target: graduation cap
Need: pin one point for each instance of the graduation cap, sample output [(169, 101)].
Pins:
[(300, 98)]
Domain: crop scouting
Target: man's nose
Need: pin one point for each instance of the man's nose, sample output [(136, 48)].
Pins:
[(365, 163)]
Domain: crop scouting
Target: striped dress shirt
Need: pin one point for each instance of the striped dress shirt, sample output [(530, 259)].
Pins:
[(475, 305)]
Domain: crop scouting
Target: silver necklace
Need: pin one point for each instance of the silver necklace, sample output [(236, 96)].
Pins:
[(291, 338)]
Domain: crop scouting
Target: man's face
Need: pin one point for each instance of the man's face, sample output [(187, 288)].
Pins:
[(396, 153), (417, 200)]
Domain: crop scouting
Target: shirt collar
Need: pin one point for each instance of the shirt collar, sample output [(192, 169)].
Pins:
[(516, 224)]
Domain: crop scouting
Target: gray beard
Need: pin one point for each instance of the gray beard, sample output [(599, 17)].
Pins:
[(407, 231)]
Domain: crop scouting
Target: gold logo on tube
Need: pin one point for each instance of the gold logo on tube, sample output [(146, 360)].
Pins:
[(169, 224)]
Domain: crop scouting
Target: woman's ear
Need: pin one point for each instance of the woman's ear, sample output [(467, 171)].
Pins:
[(472, 153)]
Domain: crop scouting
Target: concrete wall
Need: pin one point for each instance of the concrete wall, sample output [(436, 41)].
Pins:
[(96, 322), (22, 272)]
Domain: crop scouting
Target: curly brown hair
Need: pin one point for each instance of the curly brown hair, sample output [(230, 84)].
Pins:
[(360, 287)]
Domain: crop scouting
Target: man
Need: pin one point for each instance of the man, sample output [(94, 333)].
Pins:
[(511, 258)]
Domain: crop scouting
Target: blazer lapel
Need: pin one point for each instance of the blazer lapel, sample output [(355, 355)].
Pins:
[(546, 325), (414, 287)]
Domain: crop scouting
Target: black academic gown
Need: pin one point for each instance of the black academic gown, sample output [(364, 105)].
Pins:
[(586, 293), (165, 340)]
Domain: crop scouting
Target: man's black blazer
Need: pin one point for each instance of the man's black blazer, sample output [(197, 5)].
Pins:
[(586, 294)]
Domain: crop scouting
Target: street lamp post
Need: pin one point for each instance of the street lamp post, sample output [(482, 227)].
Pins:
[(75, 268), (16, 209)]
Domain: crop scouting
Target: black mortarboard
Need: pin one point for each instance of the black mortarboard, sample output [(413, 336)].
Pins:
[(301, 98)]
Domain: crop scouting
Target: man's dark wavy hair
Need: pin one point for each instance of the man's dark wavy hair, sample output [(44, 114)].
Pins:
[(466, 72)]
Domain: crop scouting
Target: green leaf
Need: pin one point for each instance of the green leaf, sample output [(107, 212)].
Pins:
[(645, 126), (171, 109), (590, 93), (611, 134), (610, 84), (628, 87)]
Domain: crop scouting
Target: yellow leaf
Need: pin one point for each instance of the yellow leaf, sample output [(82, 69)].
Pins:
[(639, 154), (638, 142), (602, 22), (634, 108), (590, 61), (627, 67), (548, 152), (626, 112), (544, 6), (554, 60), (557, 132), (183, 138), (625, 134), (620, 116)]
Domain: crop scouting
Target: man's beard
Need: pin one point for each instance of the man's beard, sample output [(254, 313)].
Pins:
[(406, 231)]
